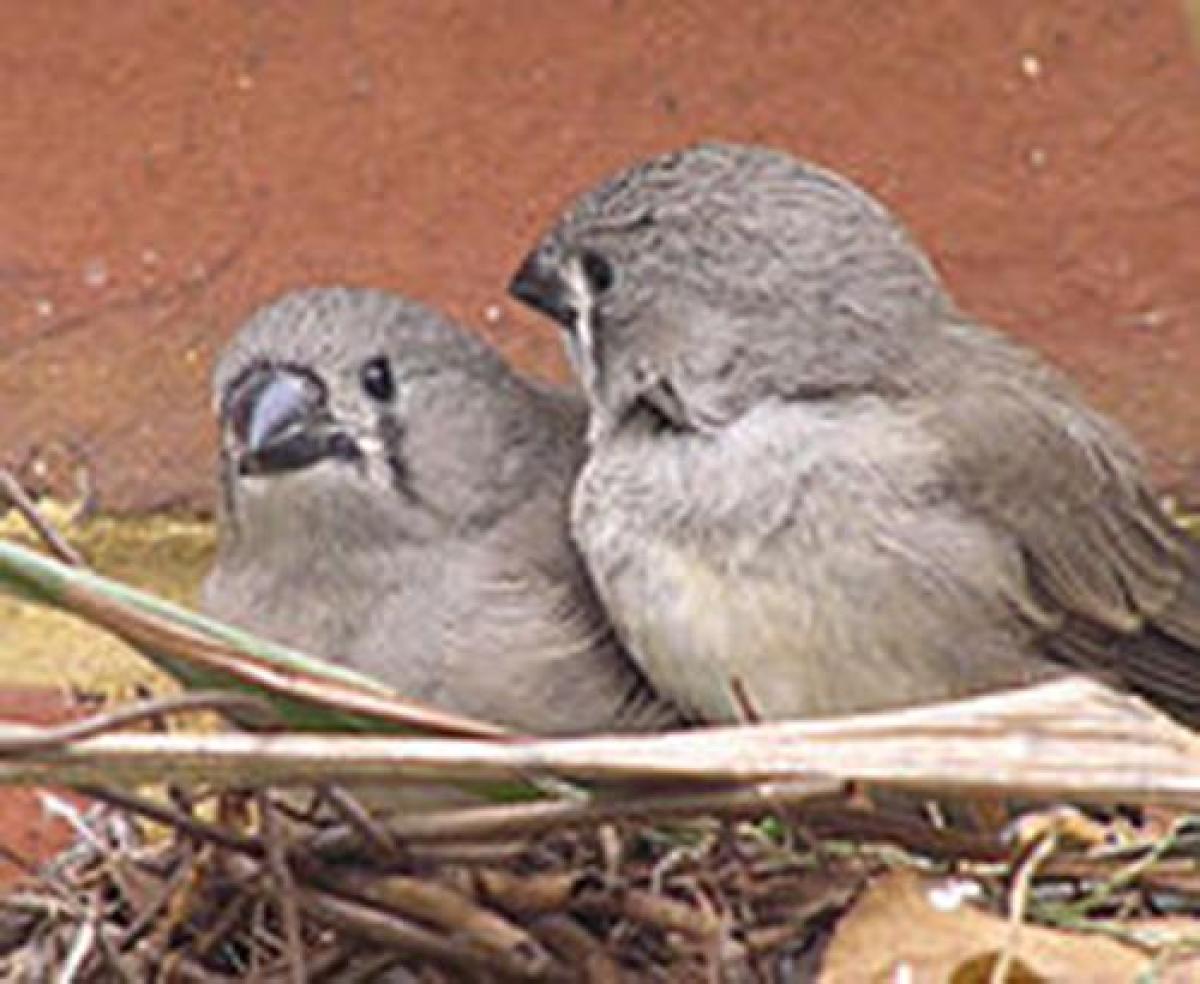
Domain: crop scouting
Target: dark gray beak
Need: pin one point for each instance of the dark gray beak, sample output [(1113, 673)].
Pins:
[(281, 423), (539, 284)]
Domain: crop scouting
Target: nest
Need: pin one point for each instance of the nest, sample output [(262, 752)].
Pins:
[(308, 895), (287, 887)]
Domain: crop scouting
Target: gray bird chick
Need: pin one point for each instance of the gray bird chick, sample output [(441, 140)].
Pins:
[(394, 498), (815, 486)]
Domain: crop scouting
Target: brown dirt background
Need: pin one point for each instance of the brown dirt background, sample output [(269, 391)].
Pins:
[(169, 165)]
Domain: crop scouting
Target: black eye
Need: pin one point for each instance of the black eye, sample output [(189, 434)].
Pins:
[(598, 271), (376, 379)]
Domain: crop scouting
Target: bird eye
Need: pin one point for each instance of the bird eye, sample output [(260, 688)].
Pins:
[(598, 270), (376, 379)]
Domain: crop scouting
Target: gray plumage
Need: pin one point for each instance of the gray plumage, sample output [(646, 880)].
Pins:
[(394, 498), (815, 484)]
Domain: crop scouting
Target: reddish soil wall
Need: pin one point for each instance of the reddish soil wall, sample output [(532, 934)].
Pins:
[(168, 165)]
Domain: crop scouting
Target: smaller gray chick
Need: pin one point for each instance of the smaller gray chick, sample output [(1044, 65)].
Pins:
[(394, 498)]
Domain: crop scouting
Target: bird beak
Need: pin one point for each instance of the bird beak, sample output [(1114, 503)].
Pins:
[(539, 284), (280, 423), (560, 291)]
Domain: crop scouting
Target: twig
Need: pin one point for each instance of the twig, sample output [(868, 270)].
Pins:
[(285, 888), (372, 925), (61, 892), (246, 844), (836, 821), (534, 894), (324, 963), (816, 806), (1071, 739), (748, 712), (598, 894), (81, 948), (579, 948), (55, 542), (90, 923), (181, 969), (1132, 871), (37, 740), (509, 822), (145, 914), (370, 971), (376, 835), (228, 920), (104, 944), (92, 937), (499, 941), (1019, 904), (19, 861), (591, 891)]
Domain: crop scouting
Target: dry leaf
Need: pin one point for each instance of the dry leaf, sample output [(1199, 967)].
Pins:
[(896, 933)]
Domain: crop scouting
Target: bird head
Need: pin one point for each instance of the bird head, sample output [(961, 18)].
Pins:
[(361, 409), (699, 282)]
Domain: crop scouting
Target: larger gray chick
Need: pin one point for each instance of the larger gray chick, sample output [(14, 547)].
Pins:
[(815, 486)]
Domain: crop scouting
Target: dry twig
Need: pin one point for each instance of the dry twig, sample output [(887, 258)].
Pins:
[(12, 491)]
